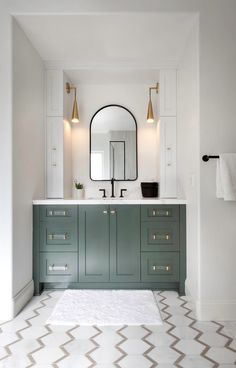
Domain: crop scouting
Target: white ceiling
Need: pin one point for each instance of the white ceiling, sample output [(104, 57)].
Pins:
[(132, 39), (113, 76)]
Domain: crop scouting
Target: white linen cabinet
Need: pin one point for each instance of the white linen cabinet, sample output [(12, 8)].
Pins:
[(58, 136), (168, 118)]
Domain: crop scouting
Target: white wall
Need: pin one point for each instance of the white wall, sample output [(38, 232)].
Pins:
[(135, 98), (28, 153), (217, 297), (188, 154), (5, 165)]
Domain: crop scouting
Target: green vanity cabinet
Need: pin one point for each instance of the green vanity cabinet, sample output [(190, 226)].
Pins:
[(109, 246), (109, 243)]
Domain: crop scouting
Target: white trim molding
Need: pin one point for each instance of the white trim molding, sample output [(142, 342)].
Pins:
[(13, 305), (22, 298), (216, 310)]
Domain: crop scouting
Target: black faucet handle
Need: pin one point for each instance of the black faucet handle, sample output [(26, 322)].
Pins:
[(104, 192), (121, 192)]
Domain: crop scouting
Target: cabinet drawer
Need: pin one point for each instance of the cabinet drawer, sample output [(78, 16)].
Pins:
[(58, 267), (58, 237), (58, 213), (158, 212), (160, 267), (160, 236)]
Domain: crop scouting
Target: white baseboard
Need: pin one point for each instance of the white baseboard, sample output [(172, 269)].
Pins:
[(13, 305), (216, 310), (22, 297), (212, 310)]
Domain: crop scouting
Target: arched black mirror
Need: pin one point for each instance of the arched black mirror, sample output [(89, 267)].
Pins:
[(113, 144)]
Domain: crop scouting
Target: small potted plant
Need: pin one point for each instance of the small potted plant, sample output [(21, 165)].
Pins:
[(79, 190)]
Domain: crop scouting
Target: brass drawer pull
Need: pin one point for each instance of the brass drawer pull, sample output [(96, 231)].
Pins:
[(160, 268), (60, 213), (57, 268), (161, 236), (65, 236), (160, 213), (57, 213)]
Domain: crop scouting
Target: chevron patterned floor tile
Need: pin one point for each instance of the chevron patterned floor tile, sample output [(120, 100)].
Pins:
[(27, 341)]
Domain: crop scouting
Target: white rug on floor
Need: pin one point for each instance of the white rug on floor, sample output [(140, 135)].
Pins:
[(106, 308)]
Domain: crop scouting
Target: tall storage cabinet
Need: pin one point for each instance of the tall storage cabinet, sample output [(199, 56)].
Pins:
[(58, 136), (168, 114)]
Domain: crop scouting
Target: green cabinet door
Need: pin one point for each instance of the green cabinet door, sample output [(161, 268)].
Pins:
[(124, 243), (94, 243)]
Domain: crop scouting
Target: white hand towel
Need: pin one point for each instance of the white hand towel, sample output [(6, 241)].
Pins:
[(226, 177)]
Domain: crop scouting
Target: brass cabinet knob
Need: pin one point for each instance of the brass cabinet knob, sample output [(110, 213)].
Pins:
[(104, 212), (113, 212)]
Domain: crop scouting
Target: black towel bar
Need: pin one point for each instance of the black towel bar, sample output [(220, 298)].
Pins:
[(206, 158)]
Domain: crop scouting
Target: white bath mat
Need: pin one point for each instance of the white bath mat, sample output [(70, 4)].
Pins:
[(106, 307)]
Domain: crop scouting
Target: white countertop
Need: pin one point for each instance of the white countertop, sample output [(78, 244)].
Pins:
[(109, 201)]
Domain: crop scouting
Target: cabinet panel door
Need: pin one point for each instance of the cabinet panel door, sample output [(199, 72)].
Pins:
[(58, 267), (59, 214), (160, 236), (55, 237), (54, 157), (168, 92), (124, 243), (159, 213), (54, 93), (168, 186), (94, 243), (160, 266)]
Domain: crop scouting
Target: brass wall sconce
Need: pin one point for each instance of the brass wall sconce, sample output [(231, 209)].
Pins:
[(75, 111), (150, 115)]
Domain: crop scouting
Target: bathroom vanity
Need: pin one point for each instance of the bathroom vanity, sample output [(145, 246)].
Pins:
[(103, 244), (109, 243)]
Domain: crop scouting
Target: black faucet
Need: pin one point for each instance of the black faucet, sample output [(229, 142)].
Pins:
[(122, 192), (112, 188), (104, 192)]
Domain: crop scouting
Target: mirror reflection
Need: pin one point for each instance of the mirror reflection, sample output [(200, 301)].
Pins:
[(113, 144)]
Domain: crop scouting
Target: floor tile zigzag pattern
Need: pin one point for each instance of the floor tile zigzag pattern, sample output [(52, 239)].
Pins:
[(181, 341)]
